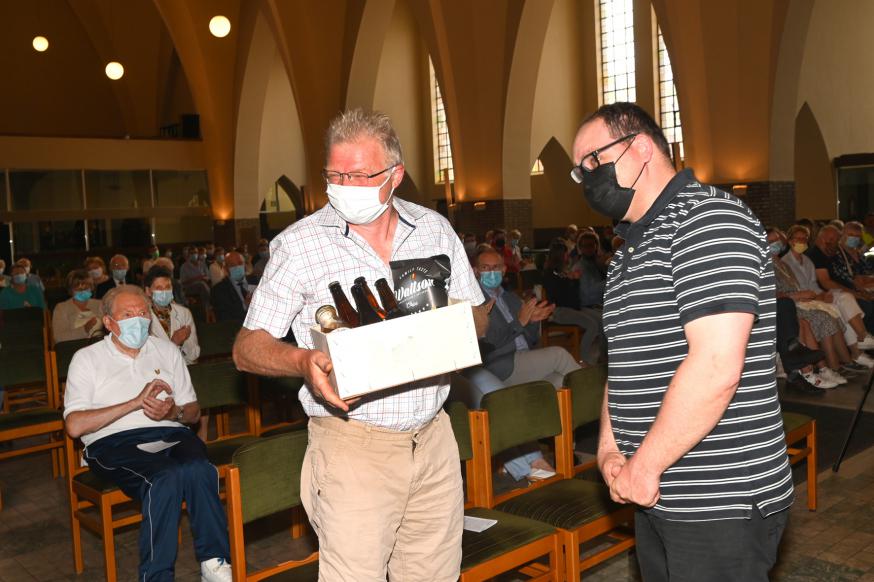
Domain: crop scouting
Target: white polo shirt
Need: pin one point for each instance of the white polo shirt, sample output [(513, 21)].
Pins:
[(101, 375)]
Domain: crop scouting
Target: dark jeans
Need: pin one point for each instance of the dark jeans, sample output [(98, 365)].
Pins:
[(161, 481), (787, 324), (868, 308), (729, 550)]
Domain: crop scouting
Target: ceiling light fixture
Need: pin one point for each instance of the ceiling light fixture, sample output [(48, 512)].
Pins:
[(220, 26), (40, 44), (114, 70)]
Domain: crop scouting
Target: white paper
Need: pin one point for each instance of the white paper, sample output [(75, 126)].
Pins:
[(156, 447), (478, 524), (541, 474)]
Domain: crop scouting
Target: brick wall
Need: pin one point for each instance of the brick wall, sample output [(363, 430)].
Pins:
[(506, 214), (773, 202)]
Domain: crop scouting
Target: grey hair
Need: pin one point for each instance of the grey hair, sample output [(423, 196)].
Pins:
[(854, 224), (353, 124), (113, 294), (77, 276), (826, 228)]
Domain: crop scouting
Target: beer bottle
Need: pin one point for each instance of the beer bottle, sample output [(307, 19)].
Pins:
[(370, 298), (328, 319), (366, 313), (389, 303), (344, 308)]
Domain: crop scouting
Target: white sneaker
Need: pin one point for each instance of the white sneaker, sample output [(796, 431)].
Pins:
[(865, 360), (216, 570), (867, 343), (832, 376), (817, 381)]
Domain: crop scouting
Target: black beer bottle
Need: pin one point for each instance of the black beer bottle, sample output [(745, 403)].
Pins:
[(389, 303), (366, 313), (370, 298), (344, 308)]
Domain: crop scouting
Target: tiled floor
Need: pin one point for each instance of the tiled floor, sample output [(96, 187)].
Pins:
[(834, 543)]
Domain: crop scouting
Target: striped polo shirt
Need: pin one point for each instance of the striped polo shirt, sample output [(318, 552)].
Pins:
[(698, 251)]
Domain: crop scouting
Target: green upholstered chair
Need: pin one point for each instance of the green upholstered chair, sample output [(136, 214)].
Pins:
[(281, 392), (514, 543), (585, 389), (263, 479), (217, 339), (220, 386), (798, 428), (579, 510), (24, 359)]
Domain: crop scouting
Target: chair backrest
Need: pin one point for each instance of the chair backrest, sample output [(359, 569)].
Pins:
[(24, 315), (521, 414), (64, 352), (458, 417), (217, 339), (218, 384), (530, 278), (587, 393), (270, 474)]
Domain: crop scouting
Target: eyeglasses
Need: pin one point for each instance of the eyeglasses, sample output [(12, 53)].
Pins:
[(590, 161), (357, 178)]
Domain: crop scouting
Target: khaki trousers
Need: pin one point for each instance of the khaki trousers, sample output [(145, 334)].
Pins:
[(384, 502)]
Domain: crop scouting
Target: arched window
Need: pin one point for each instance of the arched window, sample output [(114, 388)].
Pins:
[(537, 168), (442, 147), (616, 18), (669, 107)]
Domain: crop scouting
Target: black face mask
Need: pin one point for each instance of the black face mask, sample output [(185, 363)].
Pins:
[(604, 194)]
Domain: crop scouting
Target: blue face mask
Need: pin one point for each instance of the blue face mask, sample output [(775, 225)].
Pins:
[(82, 296), (776, 247), (134, 331), (162, 298), (237, 273), (491, 279), (854, 242), (119, 274), (19, 279)]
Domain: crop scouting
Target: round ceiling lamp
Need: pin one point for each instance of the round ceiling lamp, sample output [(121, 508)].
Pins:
[(40, 44), (220, 26), (114, 70)]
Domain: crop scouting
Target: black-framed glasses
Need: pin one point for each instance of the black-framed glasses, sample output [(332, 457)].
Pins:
[(590, 161), (357, 178)]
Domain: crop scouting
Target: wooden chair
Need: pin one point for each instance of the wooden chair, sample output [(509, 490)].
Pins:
[(263, 479), (581, 404), (24, 361), (33, 422), (556, 334), (799, 428), (217, 339), (281, 392), (580, 510), (512, 544), (98, 505), (220, 386)]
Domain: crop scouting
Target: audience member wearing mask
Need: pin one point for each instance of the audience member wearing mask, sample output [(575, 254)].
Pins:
[(591, 269), (5, 280), (195, 280), (563, 289), (851, 261), (216, 268), (231, 296), (260, 262), (119, 271), (151, 256), (170, 321), (97, 269), (20, 294), (32, 278), (820, 324), (833, 274), (210, 253), (178, 292), (570, 236), (502, 246), (470, 246), (81, 316), (802, 267), (508, 351)]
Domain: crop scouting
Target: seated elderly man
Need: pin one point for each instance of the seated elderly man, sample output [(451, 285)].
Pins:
[(119, 269), (129, 398), (508, 352)]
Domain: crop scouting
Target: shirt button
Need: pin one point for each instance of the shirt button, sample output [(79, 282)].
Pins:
[(630, 249)]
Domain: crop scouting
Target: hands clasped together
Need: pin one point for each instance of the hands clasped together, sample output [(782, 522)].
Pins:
[(628, 482), (154, 407)]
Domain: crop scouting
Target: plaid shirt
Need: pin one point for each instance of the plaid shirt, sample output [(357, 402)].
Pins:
[(308, 255)]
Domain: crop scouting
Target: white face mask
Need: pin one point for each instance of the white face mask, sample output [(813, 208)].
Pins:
[(358, 204)]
